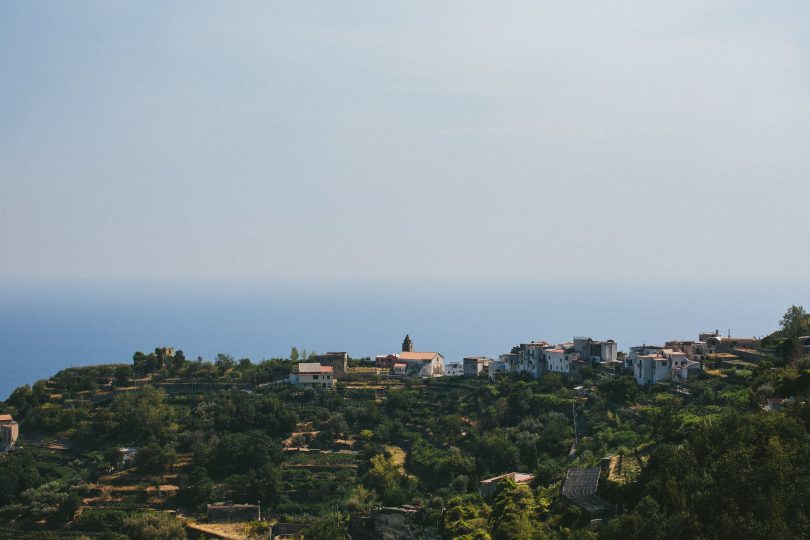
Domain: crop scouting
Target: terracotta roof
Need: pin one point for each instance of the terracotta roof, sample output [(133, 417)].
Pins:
[(417, 355), (6, 418), (400, 365), (313, 367)]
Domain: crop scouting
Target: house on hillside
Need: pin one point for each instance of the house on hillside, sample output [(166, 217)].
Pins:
[(400, 369), (695, 351), (639, 350), (412, 363), (595, 351), (454, 369), (773, 404), (9, 431), (312, 375), (422, 364), (562, 361), (725, 344), (338, 361), (476, 365), (664, 365), (486, 488), (497, 369), (386, 361)]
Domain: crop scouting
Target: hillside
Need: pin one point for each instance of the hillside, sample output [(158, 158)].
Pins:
[(139, 451)]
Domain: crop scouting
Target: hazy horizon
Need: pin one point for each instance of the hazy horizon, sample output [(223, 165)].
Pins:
[(44, 328), (336, 175)]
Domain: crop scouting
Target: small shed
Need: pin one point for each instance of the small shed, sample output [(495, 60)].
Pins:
[(226, 513), (487, 487), (580, 488)]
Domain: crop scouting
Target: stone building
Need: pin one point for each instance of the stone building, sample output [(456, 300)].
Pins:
[(338, 361), (9, 431)]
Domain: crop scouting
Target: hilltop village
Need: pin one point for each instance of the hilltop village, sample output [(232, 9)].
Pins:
[(687, 439), (648, 364)]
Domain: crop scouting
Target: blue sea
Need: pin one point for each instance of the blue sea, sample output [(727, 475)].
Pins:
[(45, 327)]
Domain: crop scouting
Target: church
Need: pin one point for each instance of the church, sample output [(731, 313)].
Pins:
[(418, 364)]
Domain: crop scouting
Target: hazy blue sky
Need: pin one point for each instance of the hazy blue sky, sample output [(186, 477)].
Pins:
[(466, 140)]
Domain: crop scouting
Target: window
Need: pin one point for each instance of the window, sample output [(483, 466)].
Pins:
[(314, 376)]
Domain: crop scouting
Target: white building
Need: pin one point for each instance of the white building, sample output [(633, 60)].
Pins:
[(635, 352), (691, 367), (454, 369), (651, 368), (400, 369), (498, 368), (422, 364), (511, 361), (312, 375), (665, 365), (694, 350), (560, 361), (528, 358)]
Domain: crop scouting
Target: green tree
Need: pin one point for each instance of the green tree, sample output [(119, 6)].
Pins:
[(512, 512), (794, 324), (331, 527), (141, 415), (237, 453), (153, 526), (154, 458), (18, 472), (123, 374)]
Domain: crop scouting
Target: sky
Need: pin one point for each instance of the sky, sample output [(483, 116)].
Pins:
[(455, 141)]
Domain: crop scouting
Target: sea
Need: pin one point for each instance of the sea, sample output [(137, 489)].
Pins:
[(48, 326)]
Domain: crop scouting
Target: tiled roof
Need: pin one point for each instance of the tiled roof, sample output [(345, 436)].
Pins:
[(313, 367), (417, 355)]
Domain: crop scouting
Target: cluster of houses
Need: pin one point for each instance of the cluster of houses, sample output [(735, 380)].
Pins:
[(679, 359), (676, 360)]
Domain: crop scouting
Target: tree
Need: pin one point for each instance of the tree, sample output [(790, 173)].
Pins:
[(330, 527), (466, 517), (196, 489), (335, 425), (123, 374), (237, 453), (141, 414), (294, 355), (153, 458), (153, 526), (512, 512), (794, 323), (224, 362), (18, 472)]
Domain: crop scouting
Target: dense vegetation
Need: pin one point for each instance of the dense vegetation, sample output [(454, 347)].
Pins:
[(700, 460)]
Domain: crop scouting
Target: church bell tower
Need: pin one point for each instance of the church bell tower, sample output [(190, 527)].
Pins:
[(407, 345)]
